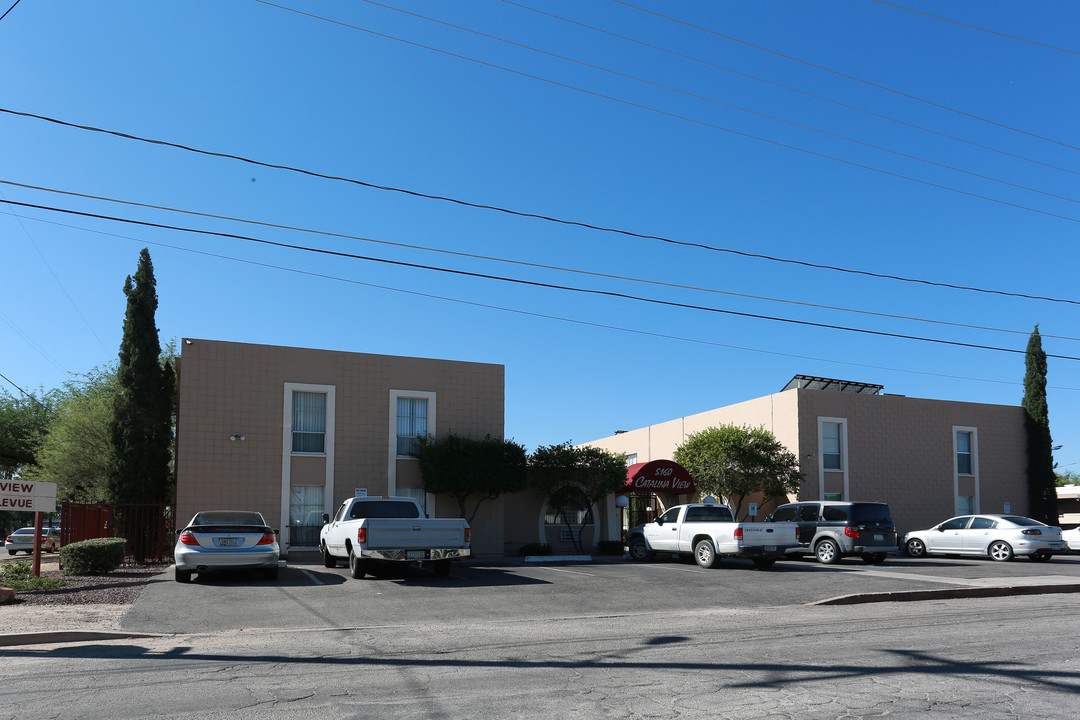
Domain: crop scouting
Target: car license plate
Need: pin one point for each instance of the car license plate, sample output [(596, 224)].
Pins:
[(415, 554), (770, 548), (228, 542), (879, 538)]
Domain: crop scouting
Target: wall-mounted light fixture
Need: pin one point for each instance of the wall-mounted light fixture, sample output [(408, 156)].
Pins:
[(237, 436)]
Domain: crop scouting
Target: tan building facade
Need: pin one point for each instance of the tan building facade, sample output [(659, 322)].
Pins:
[(929, 459), (292, 432)]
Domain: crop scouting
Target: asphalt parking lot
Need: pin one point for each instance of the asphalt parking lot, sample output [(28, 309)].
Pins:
[(308, 595)]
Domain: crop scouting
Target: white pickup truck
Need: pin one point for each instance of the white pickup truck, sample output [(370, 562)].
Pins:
[(709, 531), (367, 530)]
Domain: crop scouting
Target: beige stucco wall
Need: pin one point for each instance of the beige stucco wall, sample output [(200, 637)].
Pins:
[(227, 388)]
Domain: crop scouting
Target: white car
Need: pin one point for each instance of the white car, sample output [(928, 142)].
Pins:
[(1072, 538), (999, 536), (226, 540)]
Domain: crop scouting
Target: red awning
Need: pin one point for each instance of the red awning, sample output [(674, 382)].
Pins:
[(660, 476)]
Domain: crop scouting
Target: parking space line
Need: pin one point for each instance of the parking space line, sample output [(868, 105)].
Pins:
[(311, 576), (563, 570)]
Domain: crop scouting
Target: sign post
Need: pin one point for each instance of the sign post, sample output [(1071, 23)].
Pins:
[(36, 497)]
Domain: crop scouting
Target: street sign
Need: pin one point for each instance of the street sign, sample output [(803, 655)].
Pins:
[(28, 496)]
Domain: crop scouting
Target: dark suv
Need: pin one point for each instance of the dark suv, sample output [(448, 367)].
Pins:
[(831, 530)]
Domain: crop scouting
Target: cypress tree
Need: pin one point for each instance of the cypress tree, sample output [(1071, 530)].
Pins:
[(1042, 495), (141, 428)]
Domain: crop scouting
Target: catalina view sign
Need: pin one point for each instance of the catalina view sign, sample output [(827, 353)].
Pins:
[(659, 476), (28, 496)]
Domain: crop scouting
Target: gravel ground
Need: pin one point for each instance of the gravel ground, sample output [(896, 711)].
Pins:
[(120, 587)]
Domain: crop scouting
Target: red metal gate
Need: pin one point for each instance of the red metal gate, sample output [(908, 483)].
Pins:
[(147, 527)]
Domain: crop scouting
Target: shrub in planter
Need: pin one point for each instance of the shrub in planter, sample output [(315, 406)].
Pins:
[(92, 557), (534, 549), (609, 547)]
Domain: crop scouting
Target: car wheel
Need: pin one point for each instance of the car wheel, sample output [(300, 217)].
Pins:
[(915, 548), (1040, 557), (442, 568), (1001, 551), (12, 552), (705, 554), (183, 576), (764, 563), (328, 560), (827, 552), (357, 566), (639, 550), (874, 558)]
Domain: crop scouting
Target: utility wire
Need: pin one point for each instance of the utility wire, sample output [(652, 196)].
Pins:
[(546, 218), (975, 27), (529, 283), (4, 16), (730, 106), (542, 266), (789, 88), (847, 77), (528, 313)]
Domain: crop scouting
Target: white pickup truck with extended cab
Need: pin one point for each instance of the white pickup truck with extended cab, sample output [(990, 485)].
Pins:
[(394, 530), (709, 531)]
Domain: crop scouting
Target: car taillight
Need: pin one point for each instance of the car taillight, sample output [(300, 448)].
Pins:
[(1031, 531), (188, 538), (361, 535), (468, 534), (738, 533), (268, 538), (8, 539), (851, 532)]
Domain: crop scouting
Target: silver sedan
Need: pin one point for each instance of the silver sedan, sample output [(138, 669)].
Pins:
[(1000, 537), (226, 540)]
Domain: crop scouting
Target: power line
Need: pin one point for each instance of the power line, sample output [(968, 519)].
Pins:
[(475, 256), (789, 88), (530, 283), (975, 27), (547, 218), (731, 106), (848, 77), (529, 313), (9, 9)]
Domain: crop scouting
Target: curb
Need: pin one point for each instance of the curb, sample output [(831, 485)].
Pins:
[(949, 593)]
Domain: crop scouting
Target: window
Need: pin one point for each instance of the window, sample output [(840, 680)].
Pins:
[(963, 453), (417, 494), (631, 459), (784, 514), (955, 524), (834, 514), (709, 513), (305, 515), (412, 423), (983, 523), (670, 516), (833, 496), (308, 422), (830, 446), (965, 504), (808, 513)]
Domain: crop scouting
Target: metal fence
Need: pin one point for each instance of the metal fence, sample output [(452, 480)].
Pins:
[(148, 528)]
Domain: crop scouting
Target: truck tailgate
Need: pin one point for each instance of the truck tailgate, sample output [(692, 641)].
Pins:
[(414, 533), (782, 534)]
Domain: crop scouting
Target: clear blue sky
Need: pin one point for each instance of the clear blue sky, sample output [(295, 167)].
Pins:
[(853, 134)]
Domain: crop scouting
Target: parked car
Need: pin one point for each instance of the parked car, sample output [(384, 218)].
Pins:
[(831, 530), (1072, 538), (22, 540), (999, 536), (226, 540)]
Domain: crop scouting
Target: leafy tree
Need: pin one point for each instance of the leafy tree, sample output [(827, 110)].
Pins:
[(1066, 477), (468, 468), (141, 427), (1042, 496), (76, 452), (732, 462), (574, 478), (23, 424)]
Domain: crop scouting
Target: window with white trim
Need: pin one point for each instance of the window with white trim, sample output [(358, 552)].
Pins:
[(417, 494), (308, 422), (964, 464), (831, 446), (412, 423)]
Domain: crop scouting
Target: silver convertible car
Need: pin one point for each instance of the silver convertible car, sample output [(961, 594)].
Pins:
[(226, 540), (998, 536)]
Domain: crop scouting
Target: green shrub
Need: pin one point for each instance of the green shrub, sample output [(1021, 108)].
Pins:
[(534, 549), (17, 576), (92, 557), (609, 547)]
